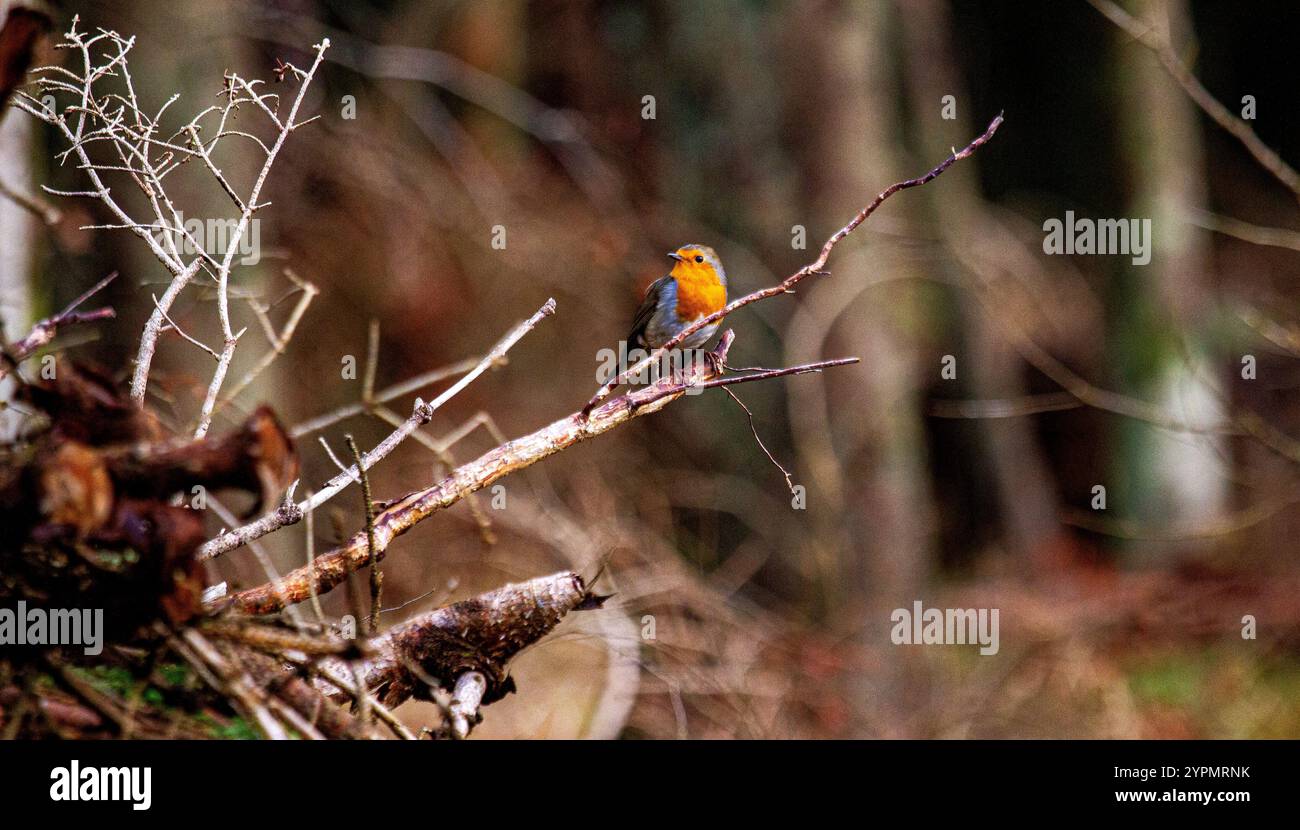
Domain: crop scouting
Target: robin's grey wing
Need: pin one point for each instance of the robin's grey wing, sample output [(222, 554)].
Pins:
[(646, 311)]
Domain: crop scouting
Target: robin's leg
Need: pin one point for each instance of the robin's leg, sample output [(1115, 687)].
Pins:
[(684, 370), (716, 366)]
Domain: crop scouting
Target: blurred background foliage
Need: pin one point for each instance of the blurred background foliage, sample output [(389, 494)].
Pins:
[(767, 620)]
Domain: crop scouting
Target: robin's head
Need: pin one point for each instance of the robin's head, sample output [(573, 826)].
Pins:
[(698, 262)]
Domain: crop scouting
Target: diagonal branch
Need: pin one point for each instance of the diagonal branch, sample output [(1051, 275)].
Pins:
[(330, 569), (43, 332), (1148, 37), (786, 286)]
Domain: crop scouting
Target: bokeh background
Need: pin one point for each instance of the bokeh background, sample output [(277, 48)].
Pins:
[(972, 491)]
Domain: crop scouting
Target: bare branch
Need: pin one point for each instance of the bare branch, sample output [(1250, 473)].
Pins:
[(153, 328), (116, 118), (376, 577), (467, 647), (1148, 37), (232, 245), (1246, 231), (230, 680), (44, 211)]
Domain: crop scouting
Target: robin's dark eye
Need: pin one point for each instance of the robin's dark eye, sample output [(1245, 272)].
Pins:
[(699, 259)]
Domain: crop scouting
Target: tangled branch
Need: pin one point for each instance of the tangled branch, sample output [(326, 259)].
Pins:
[(290, 513), (138, 149)]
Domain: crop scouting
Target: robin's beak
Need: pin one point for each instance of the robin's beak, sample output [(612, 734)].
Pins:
[(676, 256)]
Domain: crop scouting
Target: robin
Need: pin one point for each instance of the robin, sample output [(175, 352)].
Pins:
[(696, 287)]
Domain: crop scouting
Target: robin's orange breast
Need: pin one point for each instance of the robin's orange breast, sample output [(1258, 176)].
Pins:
[(698, 297)]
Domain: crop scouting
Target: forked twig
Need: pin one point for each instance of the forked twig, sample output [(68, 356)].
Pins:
[(44, 331)]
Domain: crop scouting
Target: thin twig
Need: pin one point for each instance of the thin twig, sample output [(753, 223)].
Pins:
[(311, 557), (376, 577), (343, 468), (1013, 408), (789, 482), (441, 448), (1246, 231), (395, 391), (232, 681), (381, 712), (176, 328), (279, 343), (47, 213), (372, 363)]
